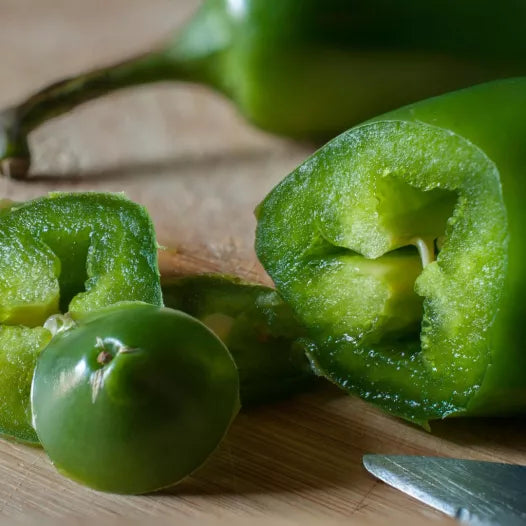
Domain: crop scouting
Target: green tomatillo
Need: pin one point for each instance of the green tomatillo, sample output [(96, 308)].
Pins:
[(134, 398)]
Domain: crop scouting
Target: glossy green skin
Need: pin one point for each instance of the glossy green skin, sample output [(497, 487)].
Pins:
[(146, 418), (312, 68), (493, 117), (255, 324), (307, 68), (62, 253), (471, 142)]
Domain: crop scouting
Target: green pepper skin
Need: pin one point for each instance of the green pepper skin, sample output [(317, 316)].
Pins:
[(134, 398), (423, 337), (64, 253), (255, 324), (307, 68)]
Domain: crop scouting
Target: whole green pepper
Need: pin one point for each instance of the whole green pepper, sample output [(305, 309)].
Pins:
[(134, 398), (306, 68), (255, 324), (400, 244), (64, 254)]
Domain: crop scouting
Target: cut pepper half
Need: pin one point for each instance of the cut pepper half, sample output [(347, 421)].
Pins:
[(396, 245), (64, 253)]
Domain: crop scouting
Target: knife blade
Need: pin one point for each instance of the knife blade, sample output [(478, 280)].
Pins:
[(475, 492)]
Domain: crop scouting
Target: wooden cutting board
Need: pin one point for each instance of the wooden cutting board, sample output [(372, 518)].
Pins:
[(200, 169)]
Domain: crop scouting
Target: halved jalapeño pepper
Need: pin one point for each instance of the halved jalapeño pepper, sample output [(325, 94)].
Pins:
[(400, 244), (64, 254)]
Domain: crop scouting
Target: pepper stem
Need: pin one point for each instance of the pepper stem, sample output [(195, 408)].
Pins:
[(192, 54), (59, 98)]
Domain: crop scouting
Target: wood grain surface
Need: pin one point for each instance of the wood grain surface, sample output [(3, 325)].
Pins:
[(188, 156)]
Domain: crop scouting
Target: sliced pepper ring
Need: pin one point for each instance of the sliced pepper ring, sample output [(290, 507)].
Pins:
[(349, 238), (71, 253)]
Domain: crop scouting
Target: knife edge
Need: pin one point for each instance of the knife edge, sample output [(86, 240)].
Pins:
[(476, 492)]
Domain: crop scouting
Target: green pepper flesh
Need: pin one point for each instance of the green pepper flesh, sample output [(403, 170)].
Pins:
[(350, 202), (65, 253), (255, 324)]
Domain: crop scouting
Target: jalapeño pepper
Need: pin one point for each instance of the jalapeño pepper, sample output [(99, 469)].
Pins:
[(134, 398), (400, 245), (256, 325), (306, 68), (61, 257)]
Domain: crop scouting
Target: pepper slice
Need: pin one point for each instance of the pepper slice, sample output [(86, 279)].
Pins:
[(64, 253), (305, 68), (255, 324), (399, 245), (134, 398)]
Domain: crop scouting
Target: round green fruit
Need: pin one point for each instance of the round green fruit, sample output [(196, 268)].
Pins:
[(134, 398)]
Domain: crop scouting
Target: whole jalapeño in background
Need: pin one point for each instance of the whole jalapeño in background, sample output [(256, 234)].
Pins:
[(305, 68)]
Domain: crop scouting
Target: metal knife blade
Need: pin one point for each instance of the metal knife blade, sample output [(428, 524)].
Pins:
[(475, 492)]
